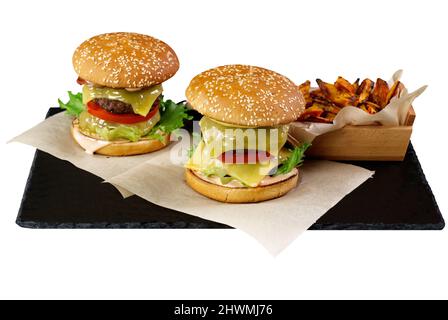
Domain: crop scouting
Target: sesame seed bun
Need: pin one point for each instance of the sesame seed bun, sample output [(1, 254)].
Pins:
[(125, 60), (240, 195), (245, 96), (122, 148)]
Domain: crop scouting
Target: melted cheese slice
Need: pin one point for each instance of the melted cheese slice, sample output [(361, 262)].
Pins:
[(249, 174), (141, 101)]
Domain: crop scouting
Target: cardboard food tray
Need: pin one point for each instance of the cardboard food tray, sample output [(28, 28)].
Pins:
[(365, 143)]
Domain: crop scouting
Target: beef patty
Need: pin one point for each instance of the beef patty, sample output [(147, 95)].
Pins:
[(114, 106)]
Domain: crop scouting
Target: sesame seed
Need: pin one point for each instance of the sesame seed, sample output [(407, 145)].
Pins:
[(125, 60), (246, 95)]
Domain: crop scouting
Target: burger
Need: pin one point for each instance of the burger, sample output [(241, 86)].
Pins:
[(121, 110), (241, 156)]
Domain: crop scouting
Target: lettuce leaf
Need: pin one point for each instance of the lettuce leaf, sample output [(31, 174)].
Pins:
[(122, 132), (219, 172), (294, 160), (105, 130), (172, 116), (74, 106)]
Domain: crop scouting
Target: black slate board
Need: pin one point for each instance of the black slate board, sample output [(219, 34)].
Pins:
[(59, 195)]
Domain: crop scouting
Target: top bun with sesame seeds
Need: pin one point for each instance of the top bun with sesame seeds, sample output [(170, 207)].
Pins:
[(245, 96), (125, 60)]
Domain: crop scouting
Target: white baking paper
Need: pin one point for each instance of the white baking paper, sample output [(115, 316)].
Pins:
[(275, 224), (53, 136), (159, 178)]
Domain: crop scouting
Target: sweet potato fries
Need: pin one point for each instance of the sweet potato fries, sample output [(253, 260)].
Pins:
[(324, 102)]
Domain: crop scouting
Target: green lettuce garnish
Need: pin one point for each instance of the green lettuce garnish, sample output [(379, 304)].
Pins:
[(74, 106), (172, 116), (219, 172), (121, 132), (294, 160), (190, 152)]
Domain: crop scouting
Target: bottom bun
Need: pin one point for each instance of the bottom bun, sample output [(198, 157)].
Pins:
[(240, 195), (120, 147)]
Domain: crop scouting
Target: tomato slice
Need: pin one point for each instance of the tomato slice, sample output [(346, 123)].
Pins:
[(81, 81), (126, 118), (244, 156)]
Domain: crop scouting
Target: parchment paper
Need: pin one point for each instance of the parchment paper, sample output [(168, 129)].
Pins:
[(158, 179), (275, 224), (394, 114), (53, 136)]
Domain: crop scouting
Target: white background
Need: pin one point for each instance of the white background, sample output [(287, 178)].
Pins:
[(302, 40)]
